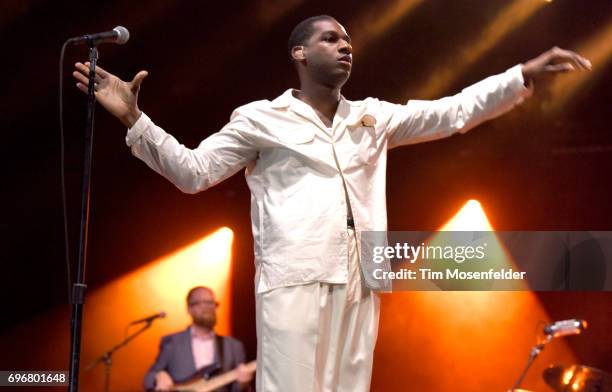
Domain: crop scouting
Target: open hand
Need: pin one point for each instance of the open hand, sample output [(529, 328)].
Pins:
[(554, 61), (118, 97)]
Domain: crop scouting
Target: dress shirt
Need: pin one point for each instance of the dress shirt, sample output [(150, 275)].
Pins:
[(298, 170), (203, 347)]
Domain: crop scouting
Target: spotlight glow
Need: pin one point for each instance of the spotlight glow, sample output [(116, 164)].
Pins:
[(160, 285), (471, 217)]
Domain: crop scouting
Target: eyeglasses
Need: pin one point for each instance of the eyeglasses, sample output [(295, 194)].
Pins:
[(205, 302)]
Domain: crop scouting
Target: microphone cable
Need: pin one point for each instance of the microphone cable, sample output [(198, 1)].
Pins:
[(63, 170)]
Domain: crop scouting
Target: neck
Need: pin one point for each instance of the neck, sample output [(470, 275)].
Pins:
[(322, 98), (201, 330)]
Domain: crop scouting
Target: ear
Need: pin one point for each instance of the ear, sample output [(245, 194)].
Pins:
[(297, 53)]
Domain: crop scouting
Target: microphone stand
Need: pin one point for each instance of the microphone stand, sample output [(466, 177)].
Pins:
[(107, 359), (535, 351), (79, 287)]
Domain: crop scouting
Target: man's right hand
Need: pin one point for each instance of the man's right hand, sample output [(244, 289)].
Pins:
[(163, 381), (118, 97)]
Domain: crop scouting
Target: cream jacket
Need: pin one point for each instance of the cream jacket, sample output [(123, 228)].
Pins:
[(298, 169)]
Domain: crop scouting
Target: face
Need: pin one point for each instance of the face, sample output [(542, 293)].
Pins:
[(328, 54), (203, 308)]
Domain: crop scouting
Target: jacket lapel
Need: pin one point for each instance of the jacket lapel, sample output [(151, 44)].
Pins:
[(302, 109), (348, 113), (186, 356)]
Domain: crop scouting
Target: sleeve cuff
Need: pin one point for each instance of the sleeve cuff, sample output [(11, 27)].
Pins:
[(517, 82), (134, 133)]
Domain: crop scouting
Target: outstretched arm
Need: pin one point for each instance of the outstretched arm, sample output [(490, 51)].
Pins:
[(217, 157), (420, 121), (191, 170)]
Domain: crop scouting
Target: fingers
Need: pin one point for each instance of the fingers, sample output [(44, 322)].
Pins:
[(579, 62), (585, 63), (563, 67), (135, 83), (81, 78), (82, 87), (99, 71), (83, 81), (84, 69), (83, 74)]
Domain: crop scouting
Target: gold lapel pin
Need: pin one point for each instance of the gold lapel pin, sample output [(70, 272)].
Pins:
[(368, 120)]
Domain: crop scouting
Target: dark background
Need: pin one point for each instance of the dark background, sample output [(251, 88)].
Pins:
[(531, 170)]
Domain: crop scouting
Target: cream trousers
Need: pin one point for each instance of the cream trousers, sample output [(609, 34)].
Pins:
[(318, 337)]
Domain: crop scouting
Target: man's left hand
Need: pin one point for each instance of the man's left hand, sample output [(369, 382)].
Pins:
[(553, 61)]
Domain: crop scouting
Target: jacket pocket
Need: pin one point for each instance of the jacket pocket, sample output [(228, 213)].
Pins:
[(301, 135)]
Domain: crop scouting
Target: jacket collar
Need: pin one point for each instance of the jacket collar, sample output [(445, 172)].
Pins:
[(287, 99), (346, 109)]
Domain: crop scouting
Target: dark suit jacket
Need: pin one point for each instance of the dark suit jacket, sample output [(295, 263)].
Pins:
[(176, 357)]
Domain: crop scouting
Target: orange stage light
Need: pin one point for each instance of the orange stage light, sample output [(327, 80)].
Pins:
[(471, 217), (159, 285), (462, 340)]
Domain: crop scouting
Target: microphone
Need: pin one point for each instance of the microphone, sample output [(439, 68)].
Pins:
[(149, 319), (118, 35), (565, 327)]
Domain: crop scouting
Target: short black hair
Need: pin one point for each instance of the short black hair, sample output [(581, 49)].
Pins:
[(303, 31), (198, 288)]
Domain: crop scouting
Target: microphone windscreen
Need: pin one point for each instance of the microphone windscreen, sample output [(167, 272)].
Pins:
[(123, 35)]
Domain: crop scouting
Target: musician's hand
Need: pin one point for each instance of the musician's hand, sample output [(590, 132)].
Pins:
[(118, 97), (163, 381), (554, 61), (244, 376)]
